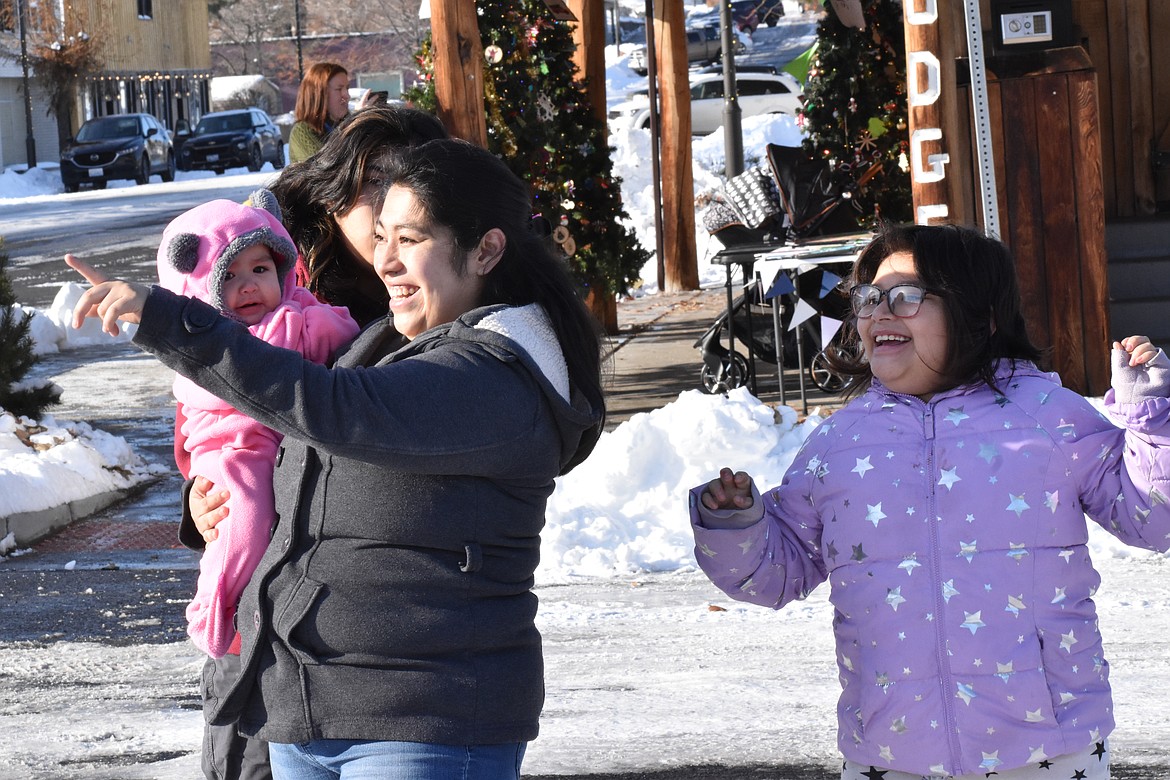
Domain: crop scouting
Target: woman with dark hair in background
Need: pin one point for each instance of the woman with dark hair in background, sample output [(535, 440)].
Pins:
[(328, 205), (390, 627)]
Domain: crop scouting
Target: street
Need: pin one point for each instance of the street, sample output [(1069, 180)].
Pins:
[(116, 229)]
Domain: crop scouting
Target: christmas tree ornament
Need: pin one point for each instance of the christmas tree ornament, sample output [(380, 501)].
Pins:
[(493, 54)]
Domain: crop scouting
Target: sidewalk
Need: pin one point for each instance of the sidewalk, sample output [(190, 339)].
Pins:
[(655, 357)]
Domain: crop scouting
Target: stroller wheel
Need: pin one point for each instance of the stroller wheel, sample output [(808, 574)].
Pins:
[(731, 374), (824, 377)]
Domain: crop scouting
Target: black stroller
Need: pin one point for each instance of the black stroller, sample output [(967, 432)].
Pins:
[(760, 210), (753, 324)]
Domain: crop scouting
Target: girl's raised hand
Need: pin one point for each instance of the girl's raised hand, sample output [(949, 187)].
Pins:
[(108, 301), (1139, 348), (730, 491)]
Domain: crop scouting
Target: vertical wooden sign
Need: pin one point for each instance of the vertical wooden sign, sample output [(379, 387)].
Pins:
[(930, 92)]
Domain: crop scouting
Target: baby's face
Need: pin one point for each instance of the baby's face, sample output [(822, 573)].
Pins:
[(251, 286)]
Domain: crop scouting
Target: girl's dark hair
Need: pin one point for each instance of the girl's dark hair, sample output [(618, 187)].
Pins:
[(470, 191), (312, 106), (329, 184), (975, 276)]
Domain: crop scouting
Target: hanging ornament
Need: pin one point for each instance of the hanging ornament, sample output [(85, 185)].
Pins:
[(561, 234), (569, 247), (865, 143), (493, 54), (568, 205), (544, 109)]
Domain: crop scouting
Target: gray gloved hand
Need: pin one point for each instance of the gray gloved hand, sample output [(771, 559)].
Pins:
[(1133, 384)]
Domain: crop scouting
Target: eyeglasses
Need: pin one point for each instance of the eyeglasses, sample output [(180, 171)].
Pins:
[(904, 300)]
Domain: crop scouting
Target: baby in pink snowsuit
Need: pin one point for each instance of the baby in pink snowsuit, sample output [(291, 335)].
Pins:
[(239, 259)]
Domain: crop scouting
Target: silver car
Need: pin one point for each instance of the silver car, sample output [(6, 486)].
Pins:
[(759, 93)]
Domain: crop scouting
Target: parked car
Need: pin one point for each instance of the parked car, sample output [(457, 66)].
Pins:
[(232, 139), (121, 146), (759, 93), (704, 44)]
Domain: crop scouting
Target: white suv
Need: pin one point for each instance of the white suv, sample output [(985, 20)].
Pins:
[(759, 93)]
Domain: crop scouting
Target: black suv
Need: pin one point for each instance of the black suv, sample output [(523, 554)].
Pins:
[(122, 146), (232, 139)]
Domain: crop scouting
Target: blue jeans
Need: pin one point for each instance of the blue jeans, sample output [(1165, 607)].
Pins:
[(348, 759)]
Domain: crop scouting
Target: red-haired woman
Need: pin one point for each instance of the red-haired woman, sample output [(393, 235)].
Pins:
[(322, 102)]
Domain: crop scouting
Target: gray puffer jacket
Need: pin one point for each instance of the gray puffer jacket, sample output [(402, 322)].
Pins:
[(394, 601)]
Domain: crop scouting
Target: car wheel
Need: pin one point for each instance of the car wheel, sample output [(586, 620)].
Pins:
[(143, 174), (278, 163), (168, 173), (255, 159), (72, 186), (219, 171), (99, 184)]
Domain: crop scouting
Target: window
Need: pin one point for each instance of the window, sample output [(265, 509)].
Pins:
[(707, 90), (754, 87), (145, 9)]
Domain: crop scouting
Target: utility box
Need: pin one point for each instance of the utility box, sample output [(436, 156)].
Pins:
[(1031, 25)]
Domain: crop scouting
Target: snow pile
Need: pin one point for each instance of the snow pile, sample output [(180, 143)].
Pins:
[(50, 463), (52, 329), (16, 183), (624, 510)]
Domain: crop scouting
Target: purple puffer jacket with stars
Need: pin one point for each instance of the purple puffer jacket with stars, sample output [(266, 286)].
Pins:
[(953, 533)]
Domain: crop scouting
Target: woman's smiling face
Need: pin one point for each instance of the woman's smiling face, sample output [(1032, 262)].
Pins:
[(906, 354), (424, 270)]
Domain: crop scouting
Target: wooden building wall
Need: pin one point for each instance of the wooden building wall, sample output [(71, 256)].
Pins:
[(1126, 41), (175, 38)]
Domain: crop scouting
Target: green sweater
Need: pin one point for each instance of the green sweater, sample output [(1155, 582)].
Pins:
[(303, 142)]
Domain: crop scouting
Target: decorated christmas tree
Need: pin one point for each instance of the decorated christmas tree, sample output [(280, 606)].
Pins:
[(18, 396), (540, 123), (855, 107)]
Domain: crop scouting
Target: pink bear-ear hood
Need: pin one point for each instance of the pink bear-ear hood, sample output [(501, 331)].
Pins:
[(199, 245)]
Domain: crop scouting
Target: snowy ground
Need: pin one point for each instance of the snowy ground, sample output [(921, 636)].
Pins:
[(643, 673)]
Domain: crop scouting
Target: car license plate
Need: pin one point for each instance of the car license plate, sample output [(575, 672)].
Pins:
[(213, 158), (96, 172)]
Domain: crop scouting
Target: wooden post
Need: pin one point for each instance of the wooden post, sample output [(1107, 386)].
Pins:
[(933, 111), (681, 262), (458, 54), (589, 57)]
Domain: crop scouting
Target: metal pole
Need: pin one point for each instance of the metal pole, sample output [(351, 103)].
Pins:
[(30, 143), (300, 58), (732, 128), (983, 150), (655, 166)]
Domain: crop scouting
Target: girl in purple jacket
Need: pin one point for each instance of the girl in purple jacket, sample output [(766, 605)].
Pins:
[(946, 505)]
